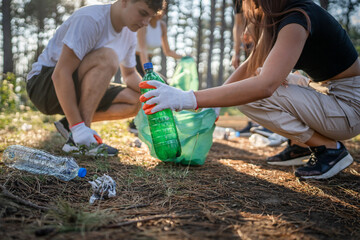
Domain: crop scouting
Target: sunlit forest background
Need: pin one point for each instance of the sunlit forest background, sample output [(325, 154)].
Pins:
[(201, 29)]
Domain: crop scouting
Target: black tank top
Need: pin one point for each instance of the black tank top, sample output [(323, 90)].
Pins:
[(328, 51)]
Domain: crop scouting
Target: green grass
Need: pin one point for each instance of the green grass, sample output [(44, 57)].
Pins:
[(71, 219)]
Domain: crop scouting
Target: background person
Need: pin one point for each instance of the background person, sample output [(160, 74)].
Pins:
[(151, 38)]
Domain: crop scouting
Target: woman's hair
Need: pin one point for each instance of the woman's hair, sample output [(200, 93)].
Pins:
[(157, 6), (265, 15)]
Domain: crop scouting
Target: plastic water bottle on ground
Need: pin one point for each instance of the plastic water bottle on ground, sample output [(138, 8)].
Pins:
[(273, 140), (225, 133), (164, 135), (41, 162)]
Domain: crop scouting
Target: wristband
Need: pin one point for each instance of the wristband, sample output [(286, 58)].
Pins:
[(77, 124)]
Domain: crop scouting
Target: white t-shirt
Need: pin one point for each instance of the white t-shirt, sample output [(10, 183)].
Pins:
[(88, 29)]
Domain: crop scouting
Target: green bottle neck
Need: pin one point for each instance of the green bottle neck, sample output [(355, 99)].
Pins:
[(149, 70)]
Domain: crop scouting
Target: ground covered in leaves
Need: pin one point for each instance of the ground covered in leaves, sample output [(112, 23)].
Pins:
[(234, 195)]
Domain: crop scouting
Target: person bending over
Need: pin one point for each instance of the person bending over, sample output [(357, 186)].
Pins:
[(293, 34), (72, 75)]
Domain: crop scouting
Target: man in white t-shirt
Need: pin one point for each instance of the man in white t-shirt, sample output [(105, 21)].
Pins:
[(72, 75)]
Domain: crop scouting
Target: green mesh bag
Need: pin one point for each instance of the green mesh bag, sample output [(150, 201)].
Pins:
[(185, 75), (195, 134)]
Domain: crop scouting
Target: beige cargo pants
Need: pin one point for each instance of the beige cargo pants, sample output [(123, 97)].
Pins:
[(331, 109)]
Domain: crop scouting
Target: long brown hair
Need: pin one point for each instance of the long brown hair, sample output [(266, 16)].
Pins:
[(264, 15)]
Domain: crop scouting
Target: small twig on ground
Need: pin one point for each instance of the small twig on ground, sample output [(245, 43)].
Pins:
[(6, 193), (156, 217), (134, 206)]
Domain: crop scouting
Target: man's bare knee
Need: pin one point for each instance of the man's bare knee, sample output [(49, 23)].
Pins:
[(104, 59), (108, 60)]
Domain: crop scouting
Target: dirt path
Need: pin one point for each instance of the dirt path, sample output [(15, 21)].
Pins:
[(234, 195)]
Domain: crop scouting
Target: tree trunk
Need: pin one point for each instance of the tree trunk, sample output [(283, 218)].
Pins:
[(222, 45), (40, 30), (7, 37), (199, 43), (324, 4), (230, 69), (209, 79), (163, 57), (350, 10), (82, 3)]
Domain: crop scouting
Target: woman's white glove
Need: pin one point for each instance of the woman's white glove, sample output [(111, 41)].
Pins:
[(83, 135), (163, 96)]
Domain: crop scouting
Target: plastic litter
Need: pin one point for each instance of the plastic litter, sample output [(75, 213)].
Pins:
[(225, 133), (195, 134), (41, 162), (104, 187), (195, 129), (273, 140), (164, 135)]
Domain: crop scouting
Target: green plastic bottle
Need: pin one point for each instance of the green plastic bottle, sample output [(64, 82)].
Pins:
[(164, 135)]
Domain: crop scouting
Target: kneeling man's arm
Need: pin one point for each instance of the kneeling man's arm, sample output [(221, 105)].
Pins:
[(131, 77), (64, 85)]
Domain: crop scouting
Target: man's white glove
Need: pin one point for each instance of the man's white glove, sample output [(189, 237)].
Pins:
[(164, 96), (84, 135)]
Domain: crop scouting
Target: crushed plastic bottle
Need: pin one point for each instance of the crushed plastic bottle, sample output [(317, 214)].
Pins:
[(41, 162), (103, 187), (225, 133), (274, 140)]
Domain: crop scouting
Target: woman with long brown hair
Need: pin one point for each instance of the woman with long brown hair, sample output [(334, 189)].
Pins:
[(291, 34)]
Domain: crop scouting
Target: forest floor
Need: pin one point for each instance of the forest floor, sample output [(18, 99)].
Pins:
[(234, 195)]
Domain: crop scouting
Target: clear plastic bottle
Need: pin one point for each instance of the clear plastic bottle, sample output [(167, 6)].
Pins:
[(41, 162), (225, 133), (162, 125)]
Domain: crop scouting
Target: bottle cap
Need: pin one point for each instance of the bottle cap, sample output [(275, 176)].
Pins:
[(148, 65), (82, 172)]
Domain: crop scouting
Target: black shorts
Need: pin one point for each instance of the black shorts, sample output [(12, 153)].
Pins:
[(41, 91)]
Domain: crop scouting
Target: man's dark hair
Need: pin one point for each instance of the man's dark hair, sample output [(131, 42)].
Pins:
[(157, 6)]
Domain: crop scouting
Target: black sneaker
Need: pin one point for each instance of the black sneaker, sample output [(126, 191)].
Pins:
[(62, 127), (325, 163), (292, 155), (245, 132), (132, 127), (97, 150)]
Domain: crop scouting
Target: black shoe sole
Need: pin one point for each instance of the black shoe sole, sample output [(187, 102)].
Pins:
[(61, 129), (338, 167)]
